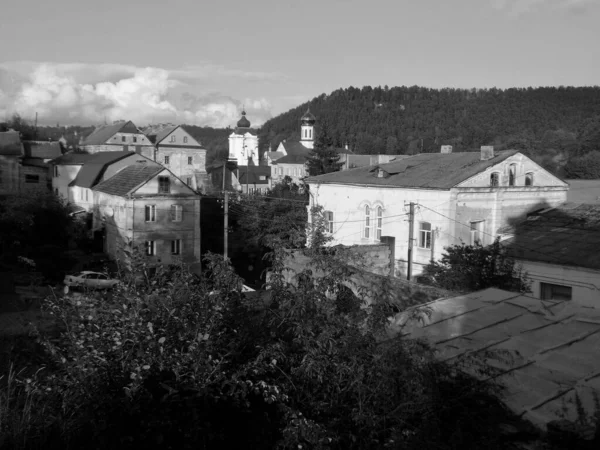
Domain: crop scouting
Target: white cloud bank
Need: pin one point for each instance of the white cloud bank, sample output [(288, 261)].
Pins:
[(90, 94)]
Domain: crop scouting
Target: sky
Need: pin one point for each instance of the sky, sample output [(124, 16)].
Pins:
[(200, 62)]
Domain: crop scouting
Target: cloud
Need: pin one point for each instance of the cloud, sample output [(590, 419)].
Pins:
[(519, 7), (76, 93)]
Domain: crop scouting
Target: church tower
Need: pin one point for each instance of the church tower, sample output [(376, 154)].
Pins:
[(307, 129), (243, 143)]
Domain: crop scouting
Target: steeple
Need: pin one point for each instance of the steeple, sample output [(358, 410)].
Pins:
[(243, 122), (307, 128)]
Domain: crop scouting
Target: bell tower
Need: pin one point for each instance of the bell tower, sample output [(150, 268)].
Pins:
[(307, 129)]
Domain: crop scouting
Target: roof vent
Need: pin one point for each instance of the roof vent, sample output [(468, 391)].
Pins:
[(446, 149), (487, 152)]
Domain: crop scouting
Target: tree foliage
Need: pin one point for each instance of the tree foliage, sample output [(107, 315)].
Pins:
[(323, 158), (468, 268), (586, 167)]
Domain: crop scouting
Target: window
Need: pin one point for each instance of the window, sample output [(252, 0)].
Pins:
[(55, 171), (262, 178), (188, 181), (80, 193), (176, 247), (150, 248), (167, 160), (135, 139), (477, 232), (329, 221), (172, 138), (86, 195), (150, 213), (529, 179), (555, 292), (512, 174), (185, 139), (379, 222), (281, 171), (190, 160), (164, 185), (367, 222), (176, 213), (425, 235), (495, 179), (32, 178), (123, 139)]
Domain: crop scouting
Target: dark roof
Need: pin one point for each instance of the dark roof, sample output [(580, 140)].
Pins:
[(426, 170), (163, 133), (92, 170), (102, 134), (42, 149), (72, 158), (243, 122), (10, 143), (274, 156), (294, 148), (567, 235), (252, 174), (308, 117), (542, 352), (292, 159), (126, 180), (34, 162)]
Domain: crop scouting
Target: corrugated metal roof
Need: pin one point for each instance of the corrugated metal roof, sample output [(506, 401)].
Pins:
[(126, 180), (104, 133), (567, 235), (426, 170), (10, 143), (542, 352), (42, 149)]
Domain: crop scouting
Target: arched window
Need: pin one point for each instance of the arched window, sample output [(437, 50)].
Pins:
[(529, 179), (379, 222), (495, 179), (367, 222), (512, 174)]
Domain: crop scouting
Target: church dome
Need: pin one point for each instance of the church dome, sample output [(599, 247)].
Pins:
[(308, 118), (243, 122)]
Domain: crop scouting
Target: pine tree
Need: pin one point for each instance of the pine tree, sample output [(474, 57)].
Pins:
[(323, 158)]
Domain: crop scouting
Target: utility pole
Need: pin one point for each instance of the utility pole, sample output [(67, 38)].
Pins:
[(225, 223), (411, 229), (35, 131)]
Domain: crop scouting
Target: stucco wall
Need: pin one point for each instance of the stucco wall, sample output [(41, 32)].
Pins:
[(294, 171), (9, 174), (66, 174), (585, 283), (177, 186), (237, 142)]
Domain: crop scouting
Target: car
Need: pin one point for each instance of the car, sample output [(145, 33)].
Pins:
[(88, 279)]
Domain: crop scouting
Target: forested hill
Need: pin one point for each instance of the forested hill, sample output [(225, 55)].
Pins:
[(551, 124)]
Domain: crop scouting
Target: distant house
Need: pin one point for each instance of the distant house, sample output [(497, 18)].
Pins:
[(458, 198), (145, 206), (97, 168), (559, 248), (35, 173), (254, 179), (120, 136), (182, 154), (11, 151)]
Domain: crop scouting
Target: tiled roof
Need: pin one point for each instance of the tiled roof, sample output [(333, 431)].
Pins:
[(295, 148), (93, 169), (543, 352), (274, 156), (10, 143), (291, 159), (426, 170), (42, 149), (253, 173), (164, 132), (102, 134), (126, 180), (567, 235), (72, 158)]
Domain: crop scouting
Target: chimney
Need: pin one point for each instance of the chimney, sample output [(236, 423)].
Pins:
[(487, 152), (446, 149)]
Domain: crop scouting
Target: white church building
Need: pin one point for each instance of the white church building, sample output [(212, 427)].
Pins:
[(243, 144)]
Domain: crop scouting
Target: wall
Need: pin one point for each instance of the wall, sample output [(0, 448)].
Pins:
[(177, 186), (9, 174), (129, 139), (585, 283), (237, 142), (147, 150), (348, 205), (81, 196), (178, 162), (294, 171), (66, 174), (43, 173)]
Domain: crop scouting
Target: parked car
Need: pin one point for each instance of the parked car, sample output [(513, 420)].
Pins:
[(92, 280)]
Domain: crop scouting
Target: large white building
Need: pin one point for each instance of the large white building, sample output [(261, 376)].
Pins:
[(458, 197), (243, 144)]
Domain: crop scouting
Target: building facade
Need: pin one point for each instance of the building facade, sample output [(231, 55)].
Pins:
[(120, 136), (243, 144), (11, 152), (457, 198)]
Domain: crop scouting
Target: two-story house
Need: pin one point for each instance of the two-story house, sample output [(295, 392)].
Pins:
[(35, 169), (145, 206), (182, 154), (120, 136), (457, 198)]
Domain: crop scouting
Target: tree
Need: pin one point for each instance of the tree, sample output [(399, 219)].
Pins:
[(323, 158), (468, 268), (585, 167), (391, 146)]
